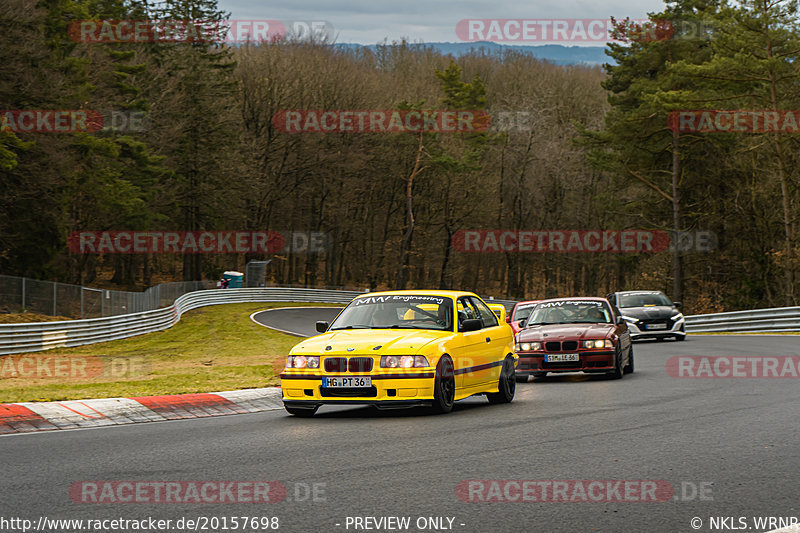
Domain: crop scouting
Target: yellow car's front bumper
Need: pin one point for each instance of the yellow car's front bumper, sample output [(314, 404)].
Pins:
[(389, 389)]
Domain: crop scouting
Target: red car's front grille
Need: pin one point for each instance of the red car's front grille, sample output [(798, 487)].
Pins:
[(558, 346)]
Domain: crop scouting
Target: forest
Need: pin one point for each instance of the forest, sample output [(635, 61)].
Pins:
[(194, 143)]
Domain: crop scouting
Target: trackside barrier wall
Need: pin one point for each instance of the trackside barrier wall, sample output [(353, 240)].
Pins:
[(38, 336), (776, 319)]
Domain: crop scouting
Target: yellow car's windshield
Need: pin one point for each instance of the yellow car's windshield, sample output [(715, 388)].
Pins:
[(397, 312)]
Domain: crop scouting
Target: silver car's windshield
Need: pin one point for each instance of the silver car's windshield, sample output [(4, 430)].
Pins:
[(643, 300), (397, 312)]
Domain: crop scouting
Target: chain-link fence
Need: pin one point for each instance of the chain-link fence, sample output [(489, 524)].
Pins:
[(255, 274), (19, 295)]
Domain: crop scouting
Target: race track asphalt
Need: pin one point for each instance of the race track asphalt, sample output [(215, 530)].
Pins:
[(299, 321), (737, 439)]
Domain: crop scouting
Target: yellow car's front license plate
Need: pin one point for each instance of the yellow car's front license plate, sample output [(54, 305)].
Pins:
[(343, 382)]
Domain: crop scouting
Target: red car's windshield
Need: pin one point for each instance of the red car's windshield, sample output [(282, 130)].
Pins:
[(566, 312)]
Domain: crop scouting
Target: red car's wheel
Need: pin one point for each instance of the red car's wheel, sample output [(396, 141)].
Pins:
[(617, 372), (628, 369)]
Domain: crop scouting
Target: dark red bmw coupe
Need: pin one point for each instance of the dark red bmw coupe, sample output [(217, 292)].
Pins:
[(574, 335)]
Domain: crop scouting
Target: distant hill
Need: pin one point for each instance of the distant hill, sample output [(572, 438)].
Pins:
[(555, 53)]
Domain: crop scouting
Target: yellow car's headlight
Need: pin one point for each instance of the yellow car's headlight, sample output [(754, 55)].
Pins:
[(302, 361), (404, 361)]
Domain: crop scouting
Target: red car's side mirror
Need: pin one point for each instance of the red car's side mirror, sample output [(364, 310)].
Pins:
[(508, 319)]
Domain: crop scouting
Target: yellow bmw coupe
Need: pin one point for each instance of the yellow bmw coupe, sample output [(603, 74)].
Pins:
[(403, 349)]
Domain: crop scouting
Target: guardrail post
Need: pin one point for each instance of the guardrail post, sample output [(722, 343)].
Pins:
[(23, 294), (54, 298)]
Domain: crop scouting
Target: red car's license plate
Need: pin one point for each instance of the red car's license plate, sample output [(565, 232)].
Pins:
[(561, 357)]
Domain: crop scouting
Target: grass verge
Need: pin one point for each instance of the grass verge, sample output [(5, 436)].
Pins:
[(20, 318), (213, 348)]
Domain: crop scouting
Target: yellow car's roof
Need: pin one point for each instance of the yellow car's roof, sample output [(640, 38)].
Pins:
[(428, 292)]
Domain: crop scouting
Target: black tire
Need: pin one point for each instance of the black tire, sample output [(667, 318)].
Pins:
[(444, 387), (617, 372), (507, 384), (302, 412), (522, 378), (680, 337), (539, 374), (628, 369)]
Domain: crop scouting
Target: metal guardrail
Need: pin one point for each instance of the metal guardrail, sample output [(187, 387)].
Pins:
[(38, 336), (775, 319)]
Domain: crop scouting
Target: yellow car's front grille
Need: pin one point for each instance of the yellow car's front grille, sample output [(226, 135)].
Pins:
[(336, 364), (343, 364), (359, 364)]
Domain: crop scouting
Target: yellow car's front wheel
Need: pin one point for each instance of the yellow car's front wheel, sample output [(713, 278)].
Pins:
[(444, 386), (507, 385)]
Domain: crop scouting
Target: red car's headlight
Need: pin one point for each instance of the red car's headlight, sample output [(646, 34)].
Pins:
[(600, 343), (527, 346)]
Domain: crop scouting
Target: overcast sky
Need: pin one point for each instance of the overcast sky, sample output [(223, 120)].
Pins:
[(372, 21)]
